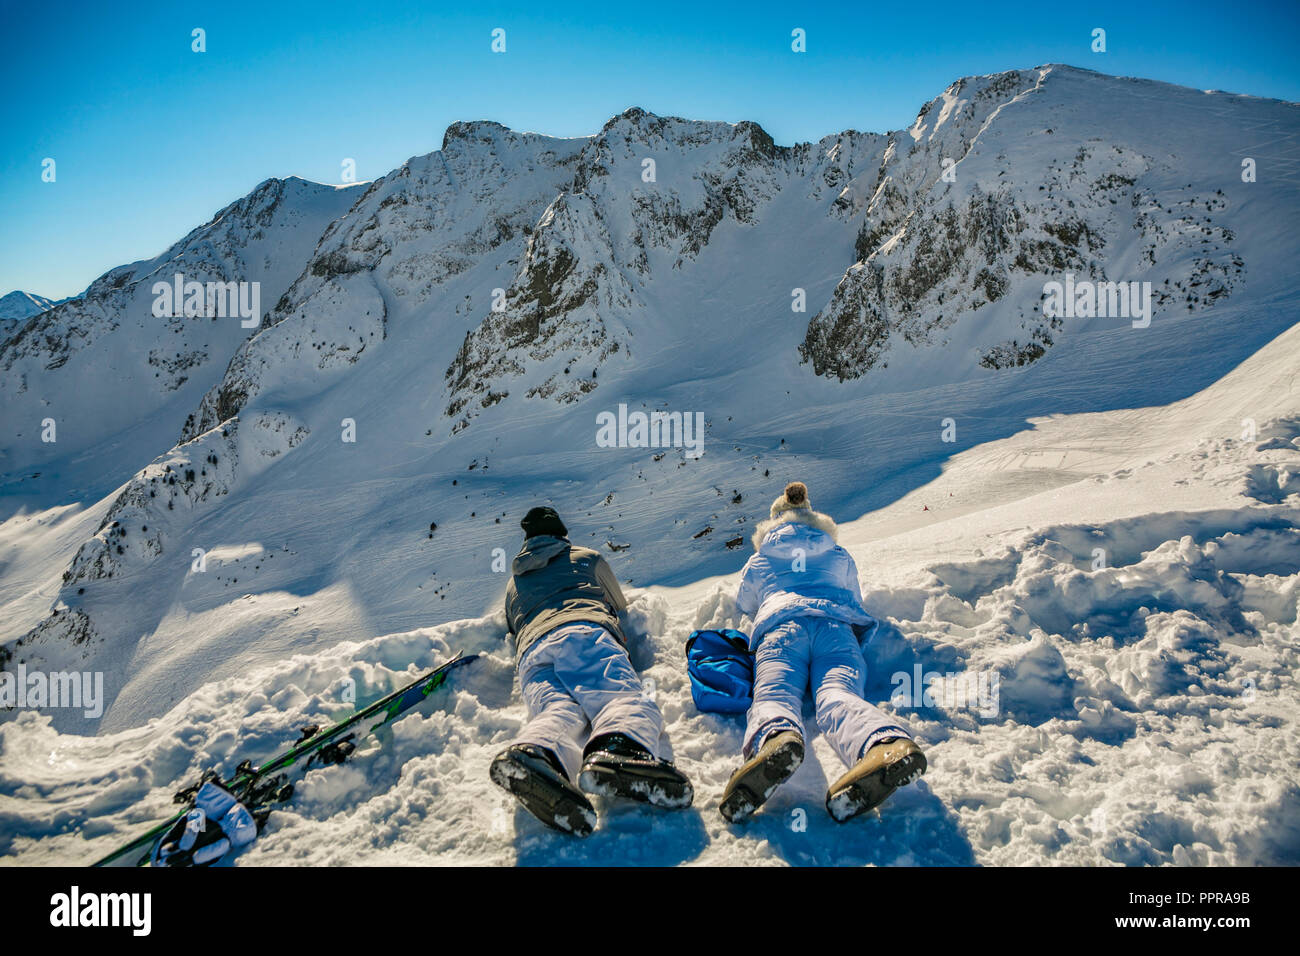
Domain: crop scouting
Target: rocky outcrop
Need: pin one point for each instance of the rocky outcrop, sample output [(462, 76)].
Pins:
[(647, 195), (996, 190), (108, 360)]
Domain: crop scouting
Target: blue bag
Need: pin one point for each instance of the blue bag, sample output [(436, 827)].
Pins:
[(721, 670)]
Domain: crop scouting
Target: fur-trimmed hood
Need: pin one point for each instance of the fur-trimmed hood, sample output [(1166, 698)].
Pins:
[(797, 571), (814, 519)]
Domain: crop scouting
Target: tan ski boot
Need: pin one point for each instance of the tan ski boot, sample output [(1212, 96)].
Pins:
[(759, 777), (887, 765)]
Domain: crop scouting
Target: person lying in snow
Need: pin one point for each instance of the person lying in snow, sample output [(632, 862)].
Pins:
[(562, 606), (801, 590)]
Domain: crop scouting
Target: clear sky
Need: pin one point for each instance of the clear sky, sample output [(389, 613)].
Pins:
[(151, 138)]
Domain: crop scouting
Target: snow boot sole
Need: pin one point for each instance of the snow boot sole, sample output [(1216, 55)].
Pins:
[(868, 784), (554, 801), (757, 779), (658, 784)]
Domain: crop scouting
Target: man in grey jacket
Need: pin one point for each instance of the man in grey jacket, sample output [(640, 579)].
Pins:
[(563, 605)]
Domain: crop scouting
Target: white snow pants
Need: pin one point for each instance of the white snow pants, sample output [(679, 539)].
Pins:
[(825, 653), (579, 676)]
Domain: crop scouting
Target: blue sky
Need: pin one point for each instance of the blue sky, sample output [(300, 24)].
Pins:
[(150, 138)]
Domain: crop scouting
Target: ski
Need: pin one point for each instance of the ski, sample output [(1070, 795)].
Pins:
[(261, 787)]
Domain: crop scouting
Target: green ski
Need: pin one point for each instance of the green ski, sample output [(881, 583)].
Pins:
[(262, 786)]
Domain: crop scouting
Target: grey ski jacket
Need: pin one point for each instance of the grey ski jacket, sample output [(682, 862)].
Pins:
[(554, 583)]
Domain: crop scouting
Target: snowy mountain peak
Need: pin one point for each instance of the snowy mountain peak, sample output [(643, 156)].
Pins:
[(1010, 181), (18, 306), (998, 186), (473, 131), (163, 355)]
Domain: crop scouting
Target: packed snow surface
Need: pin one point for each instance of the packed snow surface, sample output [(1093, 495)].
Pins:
[(1147, 707)]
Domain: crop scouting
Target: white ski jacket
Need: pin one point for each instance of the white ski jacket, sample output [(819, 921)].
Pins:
[(798, 570)]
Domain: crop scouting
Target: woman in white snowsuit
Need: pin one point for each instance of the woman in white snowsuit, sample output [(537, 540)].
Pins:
[(562, 606), (801, 590)]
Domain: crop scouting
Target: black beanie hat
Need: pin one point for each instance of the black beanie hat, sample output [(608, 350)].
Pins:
[(543, 520)]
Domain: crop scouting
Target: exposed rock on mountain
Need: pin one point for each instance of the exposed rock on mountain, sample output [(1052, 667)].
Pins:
[(1007, 181), (106, 361)]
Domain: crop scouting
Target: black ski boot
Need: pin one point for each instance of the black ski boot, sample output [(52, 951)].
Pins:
[(758, 778), (615, 765), (536, 778), (887, 765)]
